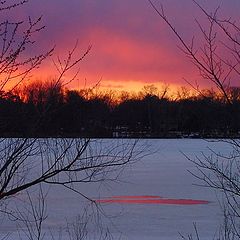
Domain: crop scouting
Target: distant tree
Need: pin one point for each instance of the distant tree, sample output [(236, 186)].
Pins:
[(72, 115), (150, 90)]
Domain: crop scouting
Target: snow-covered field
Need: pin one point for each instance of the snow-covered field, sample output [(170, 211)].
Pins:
[(154, 198)]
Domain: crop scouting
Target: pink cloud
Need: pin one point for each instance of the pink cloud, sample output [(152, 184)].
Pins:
[(130, 43)]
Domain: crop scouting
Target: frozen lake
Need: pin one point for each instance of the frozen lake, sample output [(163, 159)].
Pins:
[(154, 198)]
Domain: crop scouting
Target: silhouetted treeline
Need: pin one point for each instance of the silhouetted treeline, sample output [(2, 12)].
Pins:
[(47, 110)]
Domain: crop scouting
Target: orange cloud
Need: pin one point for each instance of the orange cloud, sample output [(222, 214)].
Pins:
[(121, 60)]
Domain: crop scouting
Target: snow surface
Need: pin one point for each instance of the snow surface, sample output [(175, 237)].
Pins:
[(164, 173)]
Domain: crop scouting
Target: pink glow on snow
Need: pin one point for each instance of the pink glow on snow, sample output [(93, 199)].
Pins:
[(150, 200)]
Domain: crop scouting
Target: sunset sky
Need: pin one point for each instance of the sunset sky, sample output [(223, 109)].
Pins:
[(131, 46)]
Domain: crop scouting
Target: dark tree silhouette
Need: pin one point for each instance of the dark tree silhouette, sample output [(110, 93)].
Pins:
[(26, 161), (218, 171)]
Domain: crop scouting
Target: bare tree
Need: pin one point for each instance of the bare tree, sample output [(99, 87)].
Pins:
[(217, 59), (27, 164), (15, 66)]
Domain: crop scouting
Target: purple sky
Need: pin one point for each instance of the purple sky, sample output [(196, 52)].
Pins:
[(131, 45)]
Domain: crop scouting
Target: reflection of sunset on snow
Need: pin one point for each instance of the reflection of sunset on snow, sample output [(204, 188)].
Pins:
[(150, 200)]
